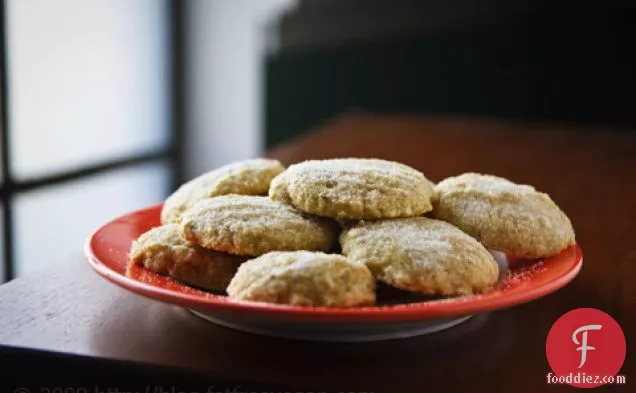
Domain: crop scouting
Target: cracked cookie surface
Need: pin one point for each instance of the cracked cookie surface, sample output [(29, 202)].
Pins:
[(253, 225), (504, 216), (354, 189), (422, 255)]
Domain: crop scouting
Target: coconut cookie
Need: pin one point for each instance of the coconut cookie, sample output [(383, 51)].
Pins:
[(163, 251), (250, 177), (422, 255), (253, 225), (503, 215), (304, 278), (354, 189)]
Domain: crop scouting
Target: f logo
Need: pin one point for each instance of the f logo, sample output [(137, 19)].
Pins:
[(585, 343), (584, 347)]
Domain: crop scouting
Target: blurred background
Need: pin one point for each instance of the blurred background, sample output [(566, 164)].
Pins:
[(108, 105)]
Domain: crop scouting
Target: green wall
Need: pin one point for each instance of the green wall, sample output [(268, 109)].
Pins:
[(532, 68)]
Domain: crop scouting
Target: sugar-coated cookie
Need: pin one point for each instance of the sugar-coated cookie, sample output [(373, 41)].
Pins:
[(354, 189), (422, 255), (253, 225), (304, 278), (249, 177), (163, 251), (505, 216)]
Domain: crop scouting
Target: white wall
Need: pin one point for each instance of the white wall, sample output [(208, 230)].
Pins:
[(226, 41)]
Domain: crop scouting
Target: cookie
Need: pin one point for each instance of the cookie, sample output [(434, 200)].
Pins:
[(250, 177), (354, 189), (504, 216), (163, 251), (253, 225), (422, 255), (304, 278)]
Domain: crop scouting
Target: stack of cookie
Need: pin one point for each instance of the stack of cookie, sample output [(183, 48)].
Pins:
[(319, 233)]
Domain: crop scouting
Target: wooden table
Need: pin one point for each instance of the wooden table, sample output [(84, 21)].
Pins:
[(589, 172)]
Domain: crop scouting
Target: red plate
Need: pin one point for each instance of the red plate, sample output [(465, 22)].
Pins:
[(108, 246)]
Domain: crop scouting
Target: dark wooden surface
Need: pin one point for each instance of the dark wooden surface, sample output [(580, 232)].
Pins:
[(589, 172)]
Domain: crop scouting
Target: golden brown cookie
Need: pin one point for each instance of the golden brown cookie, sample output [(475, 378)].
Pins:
[(163, 251), (304, 278), (503, 215), (252, 225), (354, 188), (422, 255), (249, 177)]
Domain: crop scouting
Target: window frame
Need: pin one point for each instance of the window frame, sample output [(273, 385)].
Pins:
[(10, 186)]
